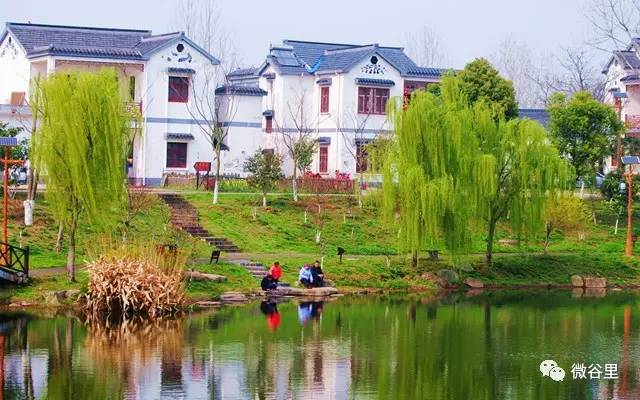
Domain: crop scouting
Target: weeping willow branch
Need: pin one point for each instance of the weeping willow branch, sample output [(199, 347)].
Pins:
[(452, 165), (81, 150)]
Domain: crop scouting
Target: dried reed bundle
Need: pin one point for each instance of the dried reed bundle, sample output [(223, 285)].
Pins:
[(134, 286)]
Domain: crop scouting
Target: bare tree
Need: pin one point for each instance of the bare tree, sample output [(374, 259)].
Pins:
[(425, 48), (580, 73), (614, 23), (515, 61), (572, 70), (298, 138), (214, 104), (354, 132)]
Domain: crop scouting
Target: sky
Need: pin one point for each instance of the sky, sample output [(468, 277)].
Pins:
[(467, 28)]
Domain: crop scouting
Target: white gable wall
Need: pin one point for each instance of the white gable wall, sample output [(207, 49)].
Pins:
[(14, 69), (162, 116)]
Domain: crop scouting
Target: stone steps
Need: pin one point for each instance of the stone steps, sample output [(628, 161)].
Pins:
[(257, 270), (185, 217)]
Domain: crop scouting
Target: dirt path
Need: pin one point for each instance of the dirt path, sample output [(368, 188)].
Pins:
[(248, 256)]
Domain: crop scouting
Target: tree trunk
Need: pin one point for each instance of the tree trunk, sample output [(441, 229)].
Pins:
[(217, 182), (295, 180), (414, 259), (71, 252), (59, 238), (546, 238), (264, 200), (490, 237), (30, 203), (360, 190)]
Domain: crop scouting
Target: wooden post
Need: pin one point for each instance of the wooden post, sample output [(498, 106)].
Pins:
[(628, 250), (5, 197), (6, 162)]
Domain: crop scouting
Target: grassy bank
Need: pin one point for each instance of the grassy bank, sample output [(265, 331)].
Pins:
[(280, 232)]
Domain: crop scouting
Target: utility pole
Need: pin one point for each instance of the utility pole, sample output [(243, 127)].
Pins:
[(629, 161), (628, 249)]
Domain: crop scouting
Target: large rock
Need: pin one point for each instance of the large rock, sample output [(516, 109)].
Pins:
[(207, 304), (593, 282), (577, 281), (233, 297), (54, 298), (434, 279), (449, 277), (73, 294), (474, 283), (302, 292), (201, 276)]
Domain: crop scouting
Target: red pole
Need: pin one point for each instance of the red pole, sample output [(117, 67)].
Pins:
[(5, 197), (628, 250)]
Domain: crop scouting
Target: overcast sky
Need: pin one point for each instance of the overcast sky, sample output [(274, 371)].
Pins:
[(468, 28)]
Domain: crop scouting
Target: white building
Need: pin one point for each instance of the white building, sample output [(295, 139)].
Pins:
[(158, 73), (622, 92), (338, 92)]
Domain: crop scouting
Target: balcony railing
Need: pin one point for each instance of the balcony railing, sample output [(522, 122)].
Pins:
[(632, 123)]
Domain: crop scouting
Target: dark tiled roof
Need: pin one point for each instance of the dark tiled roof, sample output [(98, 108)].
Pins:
[(628, 58), (152, 43), (375, 82), (179, 136), (241, 90), (240, 72), (181, 70), (632, 77), (32, 36), (343, 59), (324, 81), (536, 114), (76, 41), (339, 56)]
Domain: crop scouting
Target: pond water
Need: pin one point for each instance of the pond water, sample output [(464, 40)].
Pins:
[(487, 346)]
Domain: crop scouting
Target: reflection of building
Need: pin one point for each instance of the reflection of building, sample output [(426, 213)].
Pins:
[(327, 370)]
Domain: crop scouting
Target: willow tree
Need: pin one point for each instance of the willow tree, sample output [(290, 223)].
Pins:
[(81, 149), (528, 169), (453, 164), (434, 179)]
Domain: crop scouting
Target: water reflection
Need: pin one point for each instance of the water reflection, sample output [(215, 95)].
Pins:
[(270, 309), (453, 347), (310, 310)]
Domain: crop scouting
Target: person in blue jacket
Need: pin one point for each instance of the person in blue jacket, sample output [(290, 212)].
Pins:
[(305, 277)]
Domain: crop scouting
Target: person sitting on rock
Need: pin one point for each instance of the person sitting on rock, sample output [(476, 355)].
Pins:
[(276, 272), (268, 283), (305, 277), (317, 274)]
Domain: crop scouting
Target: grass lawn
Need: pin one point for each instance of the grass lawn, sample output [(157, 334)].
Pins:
[(279, 232), (281, 226), (150, 224)]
